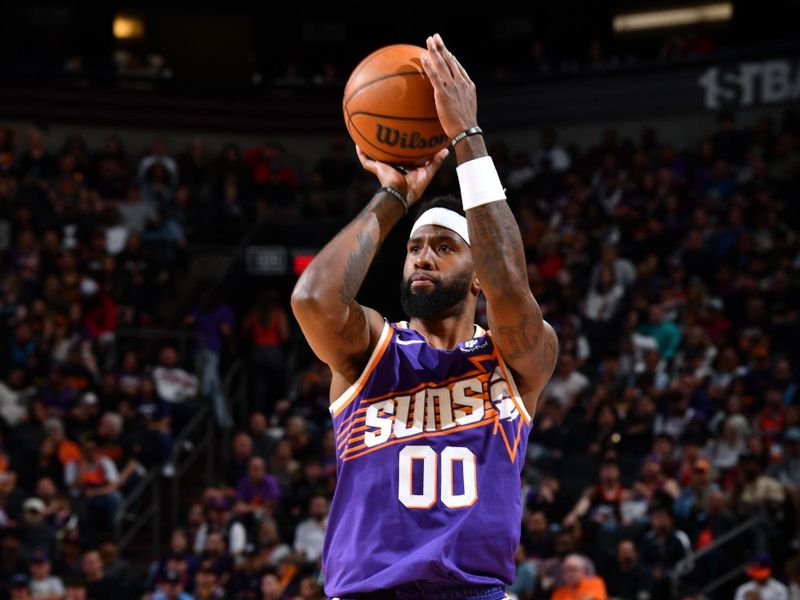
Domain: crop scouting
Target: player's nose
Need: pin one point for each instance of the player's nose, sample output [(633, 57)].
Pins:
[(425, 259)]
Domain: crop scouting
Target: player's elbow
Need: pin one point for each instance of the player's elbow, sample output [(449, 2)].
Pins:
[(304, 300), (310, 303)]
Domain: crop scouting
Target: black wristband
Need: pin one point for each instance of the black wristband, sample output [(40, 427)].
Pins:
[(466, 133), (396, 194)]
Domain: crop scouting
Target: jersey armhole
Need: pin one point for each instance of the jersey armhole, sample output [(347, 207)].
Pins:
[(338, 405)]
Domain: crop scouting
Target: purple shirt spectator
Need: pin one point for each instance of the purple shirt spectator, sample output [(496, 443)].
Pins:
[(257, 487), (209, 321)]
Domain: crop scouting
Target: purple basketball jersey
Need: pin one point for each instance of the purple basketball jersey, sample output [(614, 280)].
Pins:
[(430, 447)]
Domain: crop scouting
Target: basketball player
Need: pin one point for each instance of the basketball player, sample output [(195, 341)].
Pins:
[(432, 415)]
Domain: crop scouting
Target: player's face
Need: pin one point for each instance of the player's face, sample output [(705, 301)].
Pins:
[(438, 273)]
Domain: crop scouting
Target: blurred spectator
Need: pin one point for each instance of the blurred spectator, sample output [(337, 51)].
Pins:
[(172, 588), (310, 533), (94, 479), (759, 570), (577, 584), (43, 584), (625, 578), (98, 586), (787, 470), (266, 331), (257, 491), (662, 548), (176, 386), (567, 383), (213, 320), (555, 156)]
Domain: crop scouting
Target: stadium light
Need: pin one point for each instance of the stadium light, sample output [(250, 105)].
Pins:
[(673, 17), (128, 27)]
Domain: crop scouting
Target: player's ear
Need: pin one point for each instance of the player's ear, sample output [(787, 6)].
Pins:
[(475, 286)]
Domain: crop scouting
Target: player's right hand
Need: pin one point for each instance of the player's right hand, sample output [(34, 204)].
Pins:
[(411, 182)]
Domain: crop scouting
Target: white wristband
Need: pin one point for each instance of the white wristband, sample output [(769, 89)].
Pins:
[(479, 182)]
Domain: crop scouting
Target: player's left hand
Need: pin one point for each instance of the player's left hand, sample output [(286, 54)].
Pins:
[(410, 181), (453, 90)]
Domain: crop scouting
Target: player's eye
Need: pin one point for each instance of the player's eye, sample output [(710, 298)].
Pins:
[(413, 249), (445, 248)]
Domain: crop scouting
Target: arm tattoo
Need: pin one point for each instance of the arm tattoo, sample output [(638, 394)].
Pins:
[(497, 245), (356, 268), (521, 338)]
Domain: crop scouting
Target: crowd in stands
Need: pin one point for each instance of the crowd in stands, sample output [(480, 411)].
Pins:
[(672, 276)]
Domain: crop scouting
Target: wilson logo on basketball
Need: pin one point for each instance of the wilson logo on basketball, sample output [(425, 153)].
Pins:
[(394, 137)]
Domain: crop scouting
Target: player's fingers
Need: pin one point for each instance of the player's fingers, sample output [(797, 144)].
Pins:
[(365, 160), (437, 59), (461, 69), (431, 71), (448, 57)]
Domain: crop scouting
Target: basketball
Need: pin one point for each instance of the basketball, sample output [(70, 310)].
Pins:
[(389, 109)]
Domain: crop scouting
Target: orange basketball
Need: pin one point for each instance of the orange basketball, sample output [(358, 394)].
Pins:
[(389, 108)]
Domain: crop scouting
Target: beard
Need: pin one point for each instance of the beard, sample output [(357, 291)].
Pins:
[(443, 296)]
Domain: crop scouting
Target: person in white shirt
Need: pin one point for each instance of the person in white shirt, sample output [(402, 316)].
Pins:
[(759, 570), (567, 383), (310, 533), (44, 586)]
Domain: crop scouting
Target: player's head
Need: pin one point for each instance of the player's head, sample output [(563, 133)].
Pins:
[(439, 275)]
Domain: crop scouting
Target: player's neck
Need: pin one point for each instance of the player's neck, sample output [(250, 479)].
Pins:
[(445, 333)]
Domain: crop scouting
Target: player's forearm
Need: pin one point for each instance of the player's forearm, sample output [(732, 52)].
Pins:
[(332, 280), (496, 243)]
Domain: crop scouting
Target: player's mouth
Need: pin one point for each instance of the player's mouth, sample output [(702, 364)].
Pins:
[(421, 281)]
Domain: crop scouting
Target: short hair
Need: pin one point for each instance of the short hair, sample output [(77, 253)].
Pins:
[(450, 202)]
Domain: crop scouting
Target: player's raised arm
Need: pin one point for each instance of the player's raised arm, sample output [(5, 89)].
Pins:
[(526, 342), (341, 332)]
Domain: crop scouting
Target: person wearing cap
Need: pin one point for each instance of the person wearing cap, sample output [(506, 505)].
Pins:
[(20, 589), (44, 585), (171, 587), (693, 499), (759, 570), (35, 533), (436, 398)]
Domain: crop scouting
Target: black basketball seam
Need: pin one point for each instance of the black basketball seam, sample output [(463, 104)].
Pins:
[(381, 78), (369, 114), (366, 139)]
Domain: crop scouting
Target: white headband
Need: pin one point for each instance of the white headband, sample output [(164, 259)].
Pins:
[(443, 217)]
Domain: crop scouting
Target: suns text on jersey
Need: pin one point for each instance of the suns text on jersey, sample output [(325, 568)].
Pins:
[(460, 404)]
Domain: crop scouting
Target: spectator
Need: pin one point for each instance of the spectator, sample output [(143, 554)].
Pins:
[(176, 386), (266, 331), (577, 584), (213, 320), (310, 533), (44, 585), (787, 470), (19, 587), (98, 586), (94, 479), (663, 547), (35, 533), (567, 382), (602, 503), (258, 491), (625, 577), (759, 570), (172, 588)]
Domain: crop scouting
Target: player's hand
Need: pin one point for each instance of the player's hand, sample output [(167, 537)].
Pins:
[(411, 181), (453, 90)]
